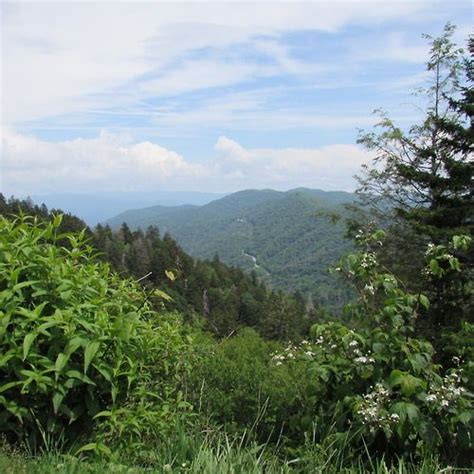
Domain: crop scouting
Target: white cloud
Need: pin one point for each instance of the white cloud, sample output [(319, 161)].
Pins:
[(114, 163), (69, 57), (328, 167), (105, 163), (202, 74)]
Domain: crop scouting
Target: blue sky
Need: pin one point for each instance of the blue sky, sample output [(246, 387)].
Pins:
[(217, 96)]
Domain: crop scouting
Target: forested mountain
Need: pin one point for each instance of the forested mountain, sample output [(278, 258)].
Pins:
[(289, 238)]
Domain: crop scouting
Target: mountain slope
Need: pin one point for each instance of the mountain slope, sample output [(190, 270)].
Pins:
[(286, 237)]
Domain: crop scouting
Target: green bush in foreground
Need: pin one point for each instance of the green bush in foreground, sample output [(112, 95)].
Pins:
[(240, 388), (376, 387), (80, 348)]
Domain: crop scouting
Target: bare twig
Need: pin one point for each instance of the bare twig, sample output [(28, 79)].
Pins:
[(144, 276)]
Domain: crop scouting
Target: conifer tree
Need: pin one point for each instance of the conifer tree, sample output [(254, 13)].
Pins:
[(425, 173)]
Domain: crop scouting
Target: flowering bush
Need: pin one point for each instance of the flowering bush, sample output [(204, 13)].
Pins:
[(376, 380)]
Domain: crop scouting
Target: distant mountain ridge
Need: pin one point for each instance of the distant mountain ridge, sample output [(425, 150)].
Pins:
[(287, 237), (97, 207)]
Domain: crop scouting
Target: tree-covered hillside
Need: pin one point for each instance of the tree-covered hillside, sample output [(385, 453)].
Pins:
[(289, 238)]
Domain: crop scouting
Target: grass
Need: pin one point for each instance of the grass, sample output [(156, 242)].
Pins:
[(216, 454)]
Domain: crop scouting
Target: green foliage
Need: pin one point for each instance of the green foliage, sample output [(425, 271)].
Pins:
[(376, 381), (239, 387), (215, 453), (77, 343), (424, 175)]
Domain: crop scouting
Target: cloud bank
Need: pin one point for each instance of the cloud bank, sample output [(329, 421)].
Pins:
[(112, 162)]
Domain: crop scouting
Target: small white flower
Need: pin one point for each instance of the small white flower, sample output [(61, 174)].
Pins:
[(430, 249), (369, 289), (456, 360)]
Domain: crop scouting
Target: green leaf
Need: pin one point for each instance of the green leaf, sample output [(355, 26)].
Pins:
[(58, 218), (57, 400), (162, 294), (170, 275), (6, 357), (408, 383), (114, 392), (435, 268), (75, 374), (8, 386), (61, 362), (454, 264), (406, 411), (429, 434), (48, 324), (89, 353), (104, 371), (461, 241), (74, 344), (464, 417), (29, 339), (24, 284), (424, 301), (87, 447), (395, 378)]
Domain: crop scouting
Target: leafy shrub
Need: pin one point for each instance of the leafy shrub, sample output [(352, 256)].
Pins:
[(378, 387), (238, 386), (79, 344)]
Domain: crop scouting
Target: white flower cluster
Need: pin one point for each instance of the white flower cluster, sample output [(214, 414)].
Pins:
[(354, 348), (359, 358), (368, 260), (457, 360), (289, 353), (372, 409), (446, 394), (319, 340), (325, 344), (364, 360), (430, 249), (306, 348), (369, 289), (292, 351)]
